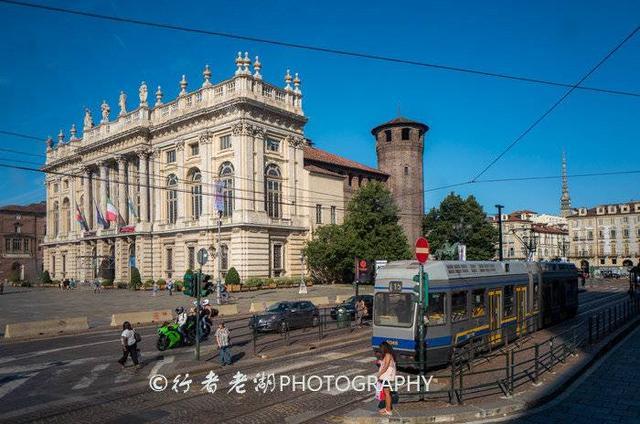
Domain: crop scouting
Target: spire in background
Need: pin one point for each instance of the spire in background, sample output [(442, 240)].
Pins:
[(565, 200)]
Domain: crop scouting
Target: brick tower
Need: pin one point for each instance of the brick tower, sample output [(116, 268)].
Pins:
[(400, 147)]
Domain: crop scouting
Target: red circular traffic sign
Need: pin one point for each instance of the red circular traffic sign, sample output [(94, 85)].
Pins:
[(422, 250)]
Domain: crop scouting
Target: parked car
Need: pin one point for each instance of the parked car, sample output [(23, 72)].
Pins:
[(350, 306), (610, 273), (283, 316)]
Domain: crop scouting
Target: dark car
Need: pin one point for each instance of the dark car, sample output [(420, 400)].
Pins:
[(350, 306), (283, 316)]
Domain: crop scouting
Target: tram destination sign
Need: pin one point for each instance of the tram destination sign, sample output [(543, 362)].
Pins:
[(422, 250)]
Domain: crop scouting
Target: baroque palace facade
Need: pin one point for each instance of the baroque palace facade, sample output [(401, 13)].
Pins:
[(160, 167)]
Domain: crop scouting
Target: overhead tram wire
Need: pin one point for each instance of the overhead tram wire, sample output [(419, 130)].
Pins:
[(165, 188), (202, 171), (532, 178), (557, 102), (308, 47)]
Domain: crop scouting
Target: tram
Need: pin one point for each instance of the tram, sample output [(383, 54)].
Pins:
[(469, 299)]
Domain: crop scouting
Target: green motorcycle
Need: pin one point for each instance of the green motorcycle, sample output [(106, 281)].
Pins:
[(169, 337)]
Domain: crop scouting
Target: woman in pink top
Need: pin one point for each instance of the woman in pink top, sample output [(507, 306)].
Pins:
[(387, 375)]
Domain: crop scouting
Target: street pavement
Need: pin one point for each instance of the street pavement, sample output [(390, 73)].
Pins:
[(21, 304), (75, 378), (608, 393)]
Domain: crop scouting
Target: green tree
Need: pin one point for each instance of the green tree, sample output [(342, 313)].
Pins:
[(45, 278), (370, 231), (232, 276), (330, 254), (136, 281), (459, 220), (372, 224)]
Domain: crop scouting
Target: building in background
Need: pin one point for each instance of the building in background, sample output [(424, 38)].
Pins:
[(529, 236), (605, 235), (139, 189), (22, 229)]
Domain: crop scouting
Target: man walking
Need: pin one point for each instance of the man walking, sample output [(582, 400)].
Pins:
[(222, 339)]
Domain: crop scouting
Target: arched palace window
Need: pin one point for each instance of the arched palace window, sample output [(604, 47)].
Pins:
[(226, 177), (56, 218), (195, 178), (273, 191), (172, 199), (66, 215)]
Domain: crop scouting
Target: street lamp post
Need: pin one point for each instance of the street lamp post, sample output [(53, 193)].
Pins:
[(500, 253)]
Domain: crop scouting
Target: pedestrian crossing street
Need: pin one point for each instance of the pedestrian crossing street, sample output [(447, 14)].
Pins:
[(95, 375)]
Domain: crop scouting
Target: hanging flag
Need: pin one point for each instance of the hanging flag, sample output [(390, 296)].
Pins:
[(132, 208), (112, 212), (99, 218), (219, 195), (80, 218)]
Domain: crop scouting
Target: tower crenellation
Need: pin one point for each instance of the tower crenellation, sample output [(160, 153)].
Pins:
[(400, 147)]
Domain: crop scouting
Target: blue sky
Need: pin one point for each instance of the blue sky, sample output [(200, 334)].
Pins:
[(53, 65)]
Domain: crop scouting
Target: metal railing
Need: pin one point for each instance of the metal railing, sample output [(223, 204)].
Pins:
[(318, 328), (480, 367)]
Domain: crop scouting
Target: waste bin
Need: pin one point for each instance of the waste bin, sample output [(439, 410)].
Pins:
[(343, 318)]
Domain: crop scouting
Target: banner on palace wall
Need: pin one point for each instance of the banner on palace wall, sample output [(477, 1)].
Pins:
[(128, 229), (219, 195)]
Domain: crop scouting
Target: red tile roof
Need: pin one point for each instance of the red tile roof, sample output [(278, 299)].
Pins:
[(38, 208), (318, 155), (320, 170), (400, 120)]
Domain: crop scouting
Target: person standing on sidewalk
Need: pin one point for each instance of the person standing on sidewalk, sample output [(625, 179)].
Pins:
[(222, 339), (2, 283), (129, 340), (170, 286), (360, 310), (387, 376)]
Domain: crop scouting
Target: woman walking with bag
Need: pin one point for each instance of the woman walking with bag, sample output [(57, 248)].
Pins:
[(129, 339), (387, 376)]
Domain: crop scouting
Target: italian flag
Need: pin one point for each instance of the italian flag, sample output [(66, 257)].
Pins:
[(112, 212)]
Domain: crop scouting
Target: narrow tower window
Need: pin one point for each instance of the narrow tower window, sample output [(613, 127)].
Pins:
[(387, 135), (405, 133), (406, 171)]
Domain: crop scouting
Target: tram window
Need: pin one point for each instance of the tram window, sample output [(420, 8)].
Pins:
[(536, 291), (393, 309), (477, 301), (435, 311), (508, 301), (458, 306)]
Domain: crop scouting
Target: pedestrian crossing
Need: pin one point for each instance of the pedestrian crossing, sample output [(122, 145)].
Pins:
[(73, 375)]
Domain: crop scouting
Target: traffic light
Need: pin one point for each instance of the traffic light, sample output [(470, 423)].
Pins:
[(364, 270), (425, 286), (188, 284), (206, 285)]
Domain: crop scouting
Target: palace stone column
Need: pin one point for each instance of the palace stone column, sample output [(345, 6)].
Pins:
[(103, 186), (144, 186), (86, 206), (122, 189)]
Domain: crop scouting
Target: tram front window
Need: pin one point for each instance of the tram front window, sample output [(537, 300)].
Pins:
[(393, 309)]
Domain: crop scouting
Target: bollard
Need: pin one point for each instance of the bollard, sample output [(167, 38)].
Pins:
[(537, 363), (513, 369), (507, 367), (452, 389), (255, 333), (551, 354), (461, 385)]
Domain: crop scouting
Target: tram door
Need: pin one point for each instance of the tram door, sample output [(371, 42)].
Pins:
[(521, 310), (495, 316)]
